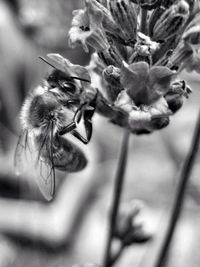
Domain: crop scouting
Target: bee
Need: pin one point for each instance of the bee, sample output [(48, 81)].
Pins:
[(52, 110), (42, 118)]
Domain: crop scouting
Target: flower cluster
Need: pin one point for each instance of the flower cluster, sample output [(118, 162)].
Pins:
[(140, 48)]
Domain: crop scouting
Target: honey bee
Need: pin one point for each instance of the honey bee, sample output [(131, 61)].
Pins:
[(42, 119), (52, 110)]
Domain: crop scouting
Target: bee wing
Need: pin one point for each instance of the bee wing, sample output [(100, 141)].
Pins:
[(45, 178), (45, 171), (27, 156), (20, 153)]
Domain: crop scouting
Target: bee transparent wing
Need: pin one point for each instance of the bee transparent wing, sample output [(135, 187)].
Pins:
[(45, 178), (20, 153), (45, 171)]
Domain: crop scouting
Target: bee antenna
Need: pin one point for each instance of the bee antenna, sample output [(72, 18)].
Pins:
[(43, 59), (80, 79)]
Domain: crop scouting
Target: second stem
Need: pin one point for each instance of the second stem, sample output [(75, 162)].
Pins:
[(117, 196)]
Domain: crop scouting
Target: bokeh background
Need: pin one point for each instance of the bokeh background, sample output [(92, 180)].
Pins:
[(72, 229)]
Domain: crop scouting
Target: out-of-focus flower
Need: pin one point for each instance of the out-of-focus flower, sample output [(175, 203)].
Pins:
[(128, 230), (187, 53), (87, 30)]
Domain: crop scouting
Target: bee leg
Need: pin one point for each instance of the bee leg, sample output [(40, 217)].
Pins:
[(87, 117), (70, 127), (78, 115), (80, 137)]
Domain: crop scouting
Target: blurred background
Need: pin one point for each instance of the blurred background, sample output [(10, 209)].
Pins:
[(72, 229)]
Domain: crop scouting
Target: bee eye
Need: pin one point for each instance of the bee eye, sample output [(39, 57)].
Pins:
[(68, 86)]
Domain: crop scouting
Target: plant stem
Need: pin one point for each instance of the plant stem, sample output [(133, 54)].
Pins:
[(117, 196), (115, 257), (179, 199)]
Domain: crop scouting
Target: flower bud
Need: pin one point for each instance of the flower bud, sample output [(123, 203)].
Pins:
[(112, 76), (172, 21), (111, 56), (156, 14), (180, 88), (108, 23), (180, 55), (167, 3), (147, 4), (128, 229), (125, 15), (127, 217), (141, 55), (174, 101), (192, 33)]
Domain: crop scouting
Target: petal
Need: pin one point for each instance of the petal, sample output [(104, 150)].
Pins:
[(160, 78), (134, 78), (124, 102), (87, 28), (72, 70), (124, 13), (80, 18), (76, 33)]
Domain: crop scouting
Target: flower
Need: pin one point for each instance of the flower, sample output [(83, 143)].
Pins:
[(145, 84), (138, 59), (87, 30)]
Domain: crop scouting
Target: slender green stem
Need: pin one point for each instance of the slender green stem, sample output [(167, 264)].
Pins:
[(116, 196), (179, 200), (116, 257)]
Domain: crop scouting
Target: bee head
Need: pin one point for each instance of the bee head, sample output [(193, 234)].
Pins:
[(62, 81)]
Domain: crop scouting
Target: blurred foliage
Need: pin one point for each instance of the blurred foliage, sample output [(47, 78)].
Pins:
[(47, 23), (48, 19)]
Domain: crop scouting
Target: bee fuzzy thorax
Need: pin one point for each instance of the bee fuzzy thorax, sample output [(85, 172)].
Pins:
[(41, 110)]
